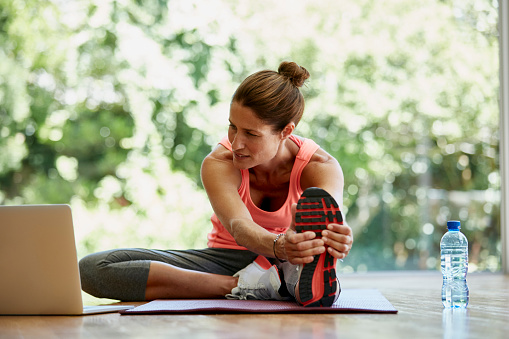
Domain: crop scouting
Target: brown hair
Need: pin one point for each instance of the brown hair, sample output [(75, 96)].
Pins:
[(274, 96)]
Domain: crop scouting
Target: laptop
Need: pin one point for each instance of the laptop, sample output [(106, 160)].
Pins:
[(38, 263)]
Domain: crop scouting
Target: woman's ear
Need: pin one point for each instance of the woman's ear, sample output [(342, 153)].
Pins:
[(288, 130)]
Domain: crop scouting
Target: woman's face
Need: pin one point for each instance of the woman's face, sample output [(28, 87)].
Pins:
[(254, 142)]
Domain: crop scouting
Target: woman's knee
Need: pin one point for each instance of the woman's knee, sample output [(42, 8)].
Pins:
[(115, 274), (91, 264), (89, 272)]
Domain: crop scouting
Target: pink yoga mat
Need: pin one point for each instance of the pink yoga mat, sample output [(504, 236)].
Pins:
[(353, 300)]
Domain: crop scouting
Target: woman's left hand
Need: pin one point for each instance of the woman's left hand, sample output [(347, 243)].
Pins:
[(339, 239), (299, 248)]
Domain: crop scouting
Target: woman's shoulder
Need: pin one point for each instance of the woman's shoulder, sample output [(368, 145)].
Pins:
[(219, 176), (220, 153), (320, 156), (324, 171), (321, 161), (219, 163)]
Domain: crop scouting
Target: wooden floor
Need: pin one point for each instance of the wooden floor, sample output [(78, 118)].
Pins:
[(416, 295)]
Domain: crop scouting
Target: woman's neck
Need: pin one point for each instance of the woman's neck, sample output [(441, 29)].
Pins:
[(279, 166)]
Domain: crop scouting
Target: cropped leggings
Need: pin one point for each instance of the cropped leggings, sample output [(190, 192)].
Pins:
[(122, 273)]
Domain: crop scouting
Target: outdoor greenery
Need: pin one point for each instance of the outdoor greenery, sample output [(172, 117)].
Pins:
[(111, 105)]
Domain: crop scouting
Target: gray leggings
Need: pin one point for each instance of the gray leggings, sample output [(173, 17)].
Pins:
[(122, 274)]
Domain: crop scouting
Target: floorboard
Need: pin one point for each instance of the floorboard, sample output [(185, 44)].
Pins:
[(416, 295)]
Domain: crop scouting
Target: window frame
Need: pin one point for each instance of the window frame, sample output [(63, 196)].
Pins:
[(503, 20)]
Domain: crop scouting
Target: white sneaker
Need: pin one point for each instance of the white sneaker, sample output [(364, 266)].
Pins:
[(291, 274), (258, 280)]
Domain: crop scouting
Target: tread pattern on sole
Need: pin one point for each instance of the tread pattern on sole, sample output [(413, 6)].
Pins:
[(317, 285)]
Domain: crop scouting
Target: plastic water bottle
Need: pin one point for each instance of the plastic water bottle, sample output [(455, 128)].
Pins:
[(454, 263)]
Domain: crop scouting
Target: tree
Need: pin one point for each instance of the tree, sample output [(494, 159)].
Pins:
[(112, 105)]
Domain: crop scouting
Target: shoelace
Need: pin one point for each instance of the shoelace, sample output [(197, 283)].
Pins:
[(259, 289), (247, 296), (246, 292)]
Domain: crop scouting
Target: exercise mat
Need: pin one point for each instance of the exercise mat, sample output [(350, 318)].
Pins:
[(350, 301)]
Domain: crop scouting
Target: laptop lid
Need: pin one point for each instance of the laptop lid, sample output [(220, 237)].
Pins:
[(38, 262)]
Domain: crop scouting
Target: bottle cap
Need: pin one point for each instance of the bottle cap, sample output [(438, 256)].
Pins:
[(453, 225)]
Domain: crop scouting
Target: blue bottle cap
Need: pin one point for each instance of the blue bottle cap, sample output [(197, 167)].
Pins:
[(453, 225)]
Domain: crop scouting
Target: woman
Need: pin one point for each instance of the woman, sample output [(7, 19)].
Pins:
[(254, 179)]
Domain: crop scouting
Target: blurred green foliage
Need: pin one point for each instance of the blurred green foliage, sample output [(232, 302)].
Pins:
[(112, 105)]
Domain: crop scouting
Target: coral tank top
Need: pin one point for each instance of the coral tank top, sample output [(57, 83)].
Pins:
[(277, 221)]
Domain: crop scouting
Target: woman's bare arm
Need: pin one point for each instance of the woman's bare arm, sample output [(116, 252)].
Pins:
[(221, 181)]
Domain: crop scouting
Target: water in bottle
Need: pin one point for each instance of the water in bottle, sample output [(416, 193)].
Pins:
[(454, 263)]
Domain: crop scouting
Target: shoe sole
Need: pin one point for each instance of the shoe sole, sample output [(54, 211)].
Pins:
[(318, 284)]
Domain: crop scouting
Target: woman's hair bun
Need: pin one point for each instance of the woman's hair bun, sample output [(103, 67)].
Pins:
[(297, 74)]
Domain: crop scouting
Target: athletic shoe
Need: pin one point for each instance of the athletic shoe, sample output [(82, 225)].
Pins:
[(259, 280), (318, 284)]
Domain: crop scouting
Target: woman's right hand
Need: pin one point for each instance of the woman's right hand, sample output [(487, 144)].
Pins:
[(299, 248)]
